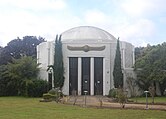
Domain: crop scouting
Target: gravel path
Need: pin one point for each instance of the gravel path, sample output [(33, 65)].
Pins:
[(105, 102)]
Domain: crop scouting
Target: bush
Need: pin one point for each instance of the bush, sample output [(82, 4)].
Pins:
[(37, 88), (50, 97), (56, 91), (121, 97), (53, 95), (112, 93), (11, 89), (47, 96), (53, 91), (2, 87)]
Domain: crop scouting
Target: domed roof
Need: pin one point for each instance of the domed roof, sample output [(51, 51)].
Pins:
[(86, 33)]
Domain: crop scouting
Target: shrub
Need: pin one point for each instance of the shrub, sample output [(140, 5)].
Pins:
[(112, 93), (50, 97), (56, 91), (47, 96), (53, 91), (3, 86), (37, 88), (53, 95), (121, 97), (12, 88)]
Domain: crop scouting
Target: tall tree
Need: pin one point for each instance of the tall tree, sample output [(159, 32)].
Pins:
[(58, 64), (153, 67), (117, 73), (20, 47), (1, 48), (142, 51)]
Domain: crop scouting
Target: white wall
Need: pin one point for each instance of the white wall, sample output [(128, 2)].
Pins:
[(45, 56), (106, 60)]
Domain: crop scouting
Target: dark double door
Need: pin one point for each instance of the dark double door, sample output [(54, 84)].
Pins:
[(85, 75), (73, 75), (98, 76)]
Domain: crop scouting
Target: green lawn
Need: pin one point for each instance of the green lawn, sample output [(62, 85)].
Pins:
[(156, 99), (31, 108)]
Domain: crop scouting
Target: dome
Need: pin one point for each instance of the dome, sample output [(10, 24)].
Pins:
[(86, 33)]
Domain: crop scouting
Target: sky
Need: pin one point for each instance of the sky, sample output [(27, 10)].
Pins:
[(139, 22)]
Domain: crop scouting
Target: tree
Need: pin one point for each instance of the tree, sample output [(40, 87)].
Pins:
[(1, 49), (20, 72), (5, 56), (151, 67), (58, 64), (117, 73), (20, 47), (142, 51)]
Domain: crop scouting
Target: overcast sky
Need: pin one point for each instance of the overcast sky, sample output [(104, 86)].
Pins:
[(136, 21)]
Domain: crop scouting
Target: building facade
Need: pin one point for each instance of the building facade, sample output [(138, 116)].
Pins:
[(88, 57)]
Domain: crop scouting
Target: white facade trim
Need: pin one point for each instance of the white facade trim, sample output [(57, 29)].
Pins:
[(92, 76), (79, 75)]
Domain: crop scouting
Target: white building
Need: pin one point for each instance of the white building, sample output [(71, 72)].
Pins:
[(88, 57)]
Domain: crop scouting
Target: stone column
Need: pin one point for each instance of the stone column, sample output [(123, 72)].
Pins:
[(123, 58), (52, 79), (48, 55), (133, 56), (66, 82), (92, 76), (79, 76), (38, 53)]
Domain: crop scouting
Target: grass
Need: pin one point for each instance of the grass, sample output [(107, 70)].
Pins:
[(31, 108), (156, 99)]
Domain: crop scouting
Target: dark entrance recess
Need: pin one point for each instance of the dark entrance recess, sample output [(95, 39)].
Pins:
[(73, 75), (49, 81), (86, 75), (98, 76)]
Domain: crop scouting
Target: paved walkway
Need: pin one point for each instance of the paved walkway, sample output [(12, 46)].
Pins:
[(101, 101)]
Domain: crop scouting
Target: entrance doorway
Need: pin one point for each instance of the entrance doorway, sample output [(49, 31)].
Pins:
[(73, 75), (86, 75), (98, 76)]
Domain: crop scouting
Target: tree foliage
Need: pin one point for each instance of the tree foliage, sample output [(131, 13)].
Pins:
[(20, 47), (151, 67), (58, 64), (17, 77), (18, 68), (142, 51), (117, 73), (1, 49), (3, 80), (37, 87), (23, 68)]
